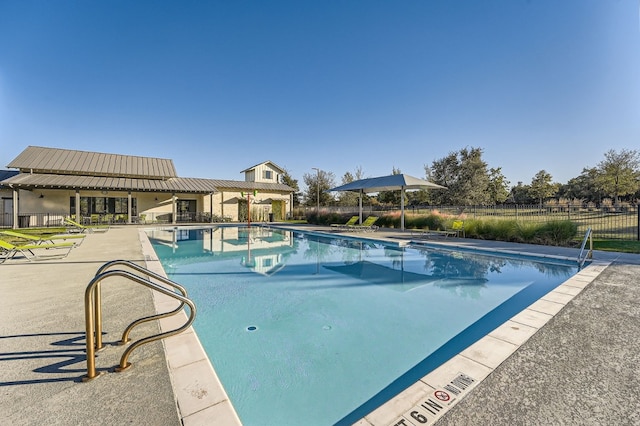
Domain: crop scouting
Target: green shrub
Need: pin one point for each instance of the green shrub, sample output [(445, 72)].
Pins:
[(557, 232), (527, 231), (504, 230), (560, 233)]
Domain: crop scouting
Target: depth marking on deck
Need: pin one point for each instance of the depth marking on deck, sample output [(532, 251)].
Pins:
[(438, 402)]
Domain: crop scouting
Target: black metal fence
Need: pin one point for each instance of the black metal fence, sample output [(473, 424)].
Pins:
[(608, 222), (622, 223)]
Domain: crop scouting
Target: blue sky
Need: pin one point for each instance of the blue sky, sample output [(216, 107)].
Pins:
[(219, 86)]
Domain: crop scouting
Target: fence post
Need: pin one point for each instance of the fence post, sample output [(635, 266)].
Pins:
[(638, 220)]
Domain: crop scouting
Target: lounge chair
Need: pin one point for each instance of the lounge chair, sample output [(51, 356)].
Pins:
[(77, 227), (457, 228), (428, 233), (350, 222), (34, 251), (366, 226), (77, 238)]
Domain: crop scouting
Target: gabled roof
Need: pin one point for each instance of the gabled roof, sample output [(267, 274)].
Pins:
[(35, 159), (50, 181), (177, 184), (270, 163), (53, 168), (6, 174), (244, 185)]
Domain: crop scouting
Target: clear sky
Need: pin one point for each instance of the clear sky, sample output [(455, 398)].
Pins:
[(219, 86)]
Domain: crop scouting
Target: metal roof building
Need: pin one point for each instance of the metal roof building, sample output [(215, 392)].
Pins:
[(94, 175)]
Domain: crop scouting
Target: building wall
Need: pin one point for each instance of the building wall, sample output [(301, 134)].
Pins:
[(258, 174), (54, 204)]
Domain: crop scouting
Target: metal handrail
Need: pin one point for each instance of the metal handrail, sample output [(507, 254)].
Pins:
[(93, 324), (125, 335), (588, 236)]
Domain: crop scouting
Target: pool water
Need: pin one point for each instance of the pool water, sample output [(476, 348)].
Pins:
[(315, 330)]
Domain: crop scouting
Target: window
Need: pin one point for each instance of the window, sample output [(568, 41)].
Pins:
[(103, 205), (267, 174)]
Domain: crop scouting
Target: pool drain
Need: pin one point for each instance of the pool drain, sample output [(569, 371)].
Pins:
[(252, 328)]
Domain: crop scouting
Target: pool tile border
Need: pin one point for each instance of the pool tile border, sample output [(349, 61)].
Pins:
[(199, 394), (423, 403), (201, 397)]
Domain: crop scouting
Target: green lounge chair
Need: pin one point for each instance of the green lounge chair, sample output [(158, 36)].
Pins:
[(366, 226), (350, 222), (457, 228), (77, 238), (34, 251), (77, 227)]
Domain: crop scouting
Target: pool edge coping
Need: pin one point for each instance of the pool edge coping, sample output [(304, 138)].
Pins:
[(200, 395)]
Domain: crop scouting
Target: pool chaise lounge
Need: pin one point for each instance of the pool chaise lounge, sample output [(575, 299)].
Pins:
[(78, 227), (350, 222), (51, 239), (34, 251), (367, 226), (456, 230)]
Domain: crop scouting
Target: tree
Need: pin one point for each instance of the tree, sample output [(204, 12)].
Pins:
[(521, 194), (390, 197), (318, 182), (584, 187), (541, 186), (286, 179), (465, 175), (619, 173), (350, 198), (498, 188)]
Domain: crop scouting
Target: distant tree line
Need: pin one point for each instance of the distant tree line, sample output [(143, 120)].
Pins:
[(470, 181)]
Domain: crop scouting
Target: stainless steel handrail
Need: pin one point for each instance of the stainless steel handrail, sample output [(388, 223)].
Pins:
[(127, 331), (93, 320), (588, 236)]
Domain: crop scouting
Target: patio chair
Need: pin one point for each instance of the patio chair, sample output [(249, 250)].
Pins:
[(51, 239), (366, 226), (77, 227), (352, 221), (34, 251)]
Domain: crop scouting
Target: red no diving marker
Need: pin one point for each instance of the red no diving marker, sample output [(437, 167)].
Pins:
[(442, 395)]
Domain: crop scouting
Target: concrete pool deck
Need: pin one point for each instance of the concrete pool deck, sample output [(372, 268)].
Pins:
[(581, 367)]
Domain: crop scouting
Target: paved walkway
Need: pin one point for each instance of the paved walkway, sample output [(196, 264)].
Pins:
[(581, 368), (42, 355)]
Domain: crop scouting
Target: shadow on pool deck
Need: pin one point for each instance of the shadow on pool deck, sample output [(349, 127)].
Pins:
[(581, 368)]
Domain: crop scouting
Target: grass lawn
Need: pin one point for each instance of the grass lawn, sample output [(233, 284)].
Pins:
[(622, 246)]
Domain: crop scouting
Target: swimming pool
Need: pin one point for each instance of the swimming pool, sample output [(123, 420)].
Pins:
[(308, 329)]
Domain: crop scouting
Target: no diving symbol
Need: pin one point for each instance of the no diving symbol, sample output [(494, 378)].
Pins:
[(442, 395)]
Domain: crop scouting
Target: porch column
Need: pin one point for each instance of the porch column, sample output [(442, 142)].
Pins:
[(174, 209), (15, 208), (291, 206), (78, 217), (222, 205), (211, 207), (129, 208)]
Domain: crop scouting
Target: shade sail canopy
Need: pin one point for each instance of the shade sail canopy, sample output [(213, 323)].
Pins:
[(387, 183), (399, 182)]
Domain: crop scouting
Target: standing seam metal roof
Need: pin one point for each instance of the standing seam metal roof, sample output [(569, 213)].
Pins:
[(65, 161), (177, 184)]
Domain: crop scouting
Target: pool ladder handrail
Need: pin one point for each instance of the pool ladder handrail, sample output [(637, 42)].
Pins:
[(588, 236), (93, 312)]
